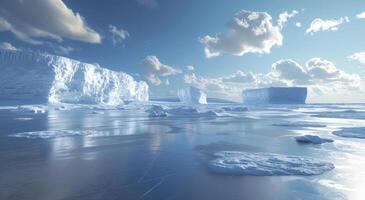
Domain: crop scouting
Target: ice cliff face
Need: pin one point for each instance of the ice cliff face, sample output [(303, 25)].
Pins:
[(192, 95), (39, 78)]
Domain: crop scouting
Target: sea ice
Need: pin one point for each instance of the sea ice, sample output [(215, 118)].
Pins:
[(299, 124), (58, 79), (352, 132), (192, 95), (235, 108), (267, 164), (55, 134), (184, 111), (314, 139)]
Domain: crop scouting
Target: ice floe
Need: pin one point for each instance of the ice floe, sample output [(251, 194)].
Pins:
[(35, 109), (185, 111), (351, 132), (267, 164), (314, 139)]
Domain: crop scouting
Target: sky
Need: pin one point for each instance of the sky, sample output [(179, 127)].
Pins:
[(221, 47)]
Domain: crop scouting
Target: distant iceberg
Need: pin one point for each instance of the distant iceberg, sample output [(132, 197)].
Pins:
[(267, 164), (192, 95), (275, 95), (29, 77)]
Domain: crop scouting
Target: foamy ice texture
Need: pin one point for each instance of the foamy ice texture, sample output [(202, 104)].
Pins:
[(353, 132), (43, 78), (192, 95), (313, 139), (266, 164)]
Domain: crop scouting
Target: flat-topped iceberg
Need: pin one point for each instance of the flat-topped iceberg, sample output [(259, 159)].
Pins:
[(29, 77), (266, 164), (192, 95), (275, 95)]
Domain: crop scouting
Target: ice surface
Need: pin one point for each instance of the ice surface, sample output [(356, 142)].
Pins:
[(352, 132), (192, 95), (298, 124), (314, 139), (275, 95), (267, 164), (42, 78), (345, 114), (235, 108), (55, 134)]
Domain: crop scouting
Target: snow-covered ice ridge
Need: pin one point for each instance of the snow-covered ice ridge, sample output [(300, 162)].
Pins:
[(40, 78), (275, 95), (267, 164)]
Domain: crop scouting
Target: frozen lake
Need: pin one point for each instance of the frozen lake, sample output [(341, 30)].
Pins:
[(218, 151)]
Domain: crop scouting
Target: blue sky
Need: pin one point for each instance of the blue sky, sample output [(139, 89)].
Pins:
[(171, 32)]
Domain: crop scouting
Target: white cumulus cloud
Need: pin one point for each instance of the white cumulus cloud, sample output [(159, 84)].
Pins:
[(361, 15), (153, 69), (319, 24), (283, 17), (248, 32), (360, 57), (118, 35), (32, 20)]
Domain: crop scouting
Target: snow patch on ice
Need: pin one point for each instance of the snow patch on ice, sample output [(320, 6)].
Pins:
[(351, 132), (192, 95), (314, 139), (267, 164), (23, 118), (35, 109)]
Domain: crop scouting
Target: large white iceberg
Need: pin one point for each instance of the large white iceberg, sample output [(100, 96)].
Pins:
[(266, 164), (275, 95), (192, 95), (40, 78)]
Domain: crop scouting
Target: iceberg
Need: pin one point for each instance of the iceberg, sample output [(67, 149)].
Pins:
[(352, 132), (267, 164), (275, 95), (314, 139), (192, 95), (29, 77)]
